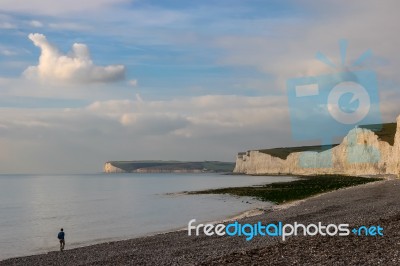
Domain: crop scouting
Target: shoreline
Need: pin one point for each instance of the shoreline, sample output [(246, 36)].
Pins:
[(137, 224), (243, 216), (236, 216), (374, 203), (252, 211)]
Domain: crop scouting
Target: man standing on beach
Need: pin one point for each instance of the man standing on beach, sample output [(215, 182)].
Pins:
[(61, 236)]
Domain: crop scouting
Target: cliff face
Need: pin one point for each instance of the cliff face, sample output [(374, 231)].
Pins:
[(360, 153), (109, 168)]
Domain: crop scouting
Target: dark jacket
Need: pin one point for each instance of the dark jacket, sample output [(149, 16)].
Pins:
[(61, 235)]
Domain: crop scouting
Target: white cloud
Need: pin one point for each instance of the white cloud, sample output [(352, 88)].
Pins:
[(289, 51), (197, 128), (51, 7), (210, 111), (36, 23), (211, 127), (75, 67), (5, 81), (69, 26), (7, 52), (7, 26), (133, 82)]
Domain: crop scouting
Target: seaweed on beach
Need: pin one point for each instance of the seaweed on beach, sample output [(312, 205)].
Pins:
[(304, 187)]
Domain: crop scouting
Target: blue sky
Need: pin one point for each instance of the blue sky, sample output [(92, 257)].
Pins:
[(170, 77), (168, 46)]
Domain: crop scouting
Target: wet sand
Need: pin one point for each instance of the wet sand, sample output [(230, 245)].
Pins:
[(375, 203)]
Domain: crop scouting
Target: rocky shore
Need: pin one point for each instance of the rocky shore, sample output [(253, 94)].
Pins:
[(375, 203)]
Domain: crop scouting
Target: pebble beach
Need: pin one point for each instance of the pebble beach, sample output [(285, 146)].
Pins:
[(369, 204)]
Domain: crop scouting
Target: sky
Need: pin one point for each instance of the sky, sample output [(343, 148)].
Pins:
[(85, 82)]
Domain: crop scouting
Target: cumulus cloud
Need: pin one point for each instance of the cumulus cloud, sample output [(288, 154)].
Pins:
[(75, 67)]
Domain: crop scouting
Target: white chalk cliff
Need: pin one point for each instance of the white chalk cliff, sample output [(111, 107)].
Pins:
[(109, 168), (360, 153)]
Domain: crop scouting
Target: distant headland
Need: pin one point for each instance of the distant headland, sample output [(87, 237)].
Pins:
[(167, 167)]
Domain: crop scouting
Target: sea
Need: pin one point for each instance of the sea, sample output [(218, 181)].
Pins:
[(95, 208)]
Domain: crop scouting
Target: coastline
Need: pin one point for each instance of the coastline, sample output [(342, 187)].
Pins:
[(147, 213), (379, 200), (235, 216)]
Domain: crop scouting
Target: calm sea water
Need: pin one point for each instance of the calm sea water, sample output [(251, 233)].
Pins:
[(102, 207)]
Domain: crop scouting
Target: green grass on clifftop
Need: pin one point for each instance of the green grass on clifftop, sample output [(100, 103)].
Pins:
[(283, 153), (289, 191), (385, 132)]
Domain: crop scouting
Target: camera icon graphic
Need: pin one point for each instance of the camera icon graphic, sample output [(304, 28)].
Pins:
[(328, 106)]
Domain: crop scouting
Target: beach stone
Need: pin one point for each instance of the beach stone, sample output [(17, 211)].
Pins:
[(374, 203)]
